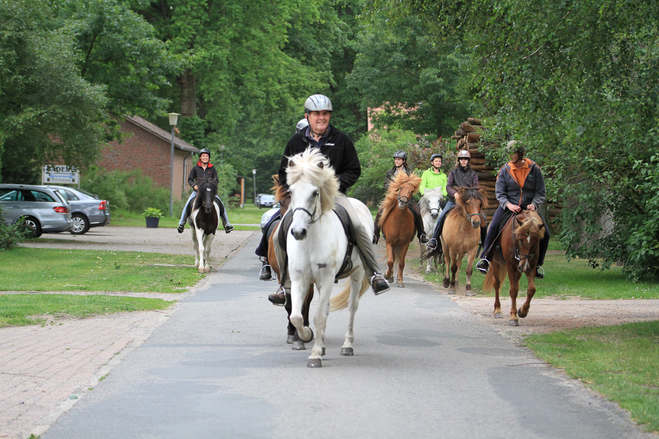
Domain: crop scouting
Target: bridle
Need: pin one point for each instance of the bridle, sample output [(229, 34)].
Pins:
[(311, 214), (516, 251), (404, 199)]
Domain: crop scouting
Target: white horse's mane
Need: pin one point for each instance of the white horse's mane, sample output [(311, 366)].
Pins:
[(307, 166), (423, 204)]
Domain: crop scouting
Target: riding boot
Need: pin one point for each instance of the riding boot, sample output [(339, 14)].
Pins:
[(279, 298), (483, 235), (376, 227), (418, 223), (437, 233), (266, 272)]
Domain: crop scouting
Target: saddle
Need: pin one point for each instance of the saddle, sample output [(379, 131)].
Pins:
[(348, 228), (496, 244)]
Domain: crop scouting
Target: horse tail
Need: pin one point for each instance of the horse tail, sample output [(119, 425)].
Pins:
[(340, 301), (496, 271)]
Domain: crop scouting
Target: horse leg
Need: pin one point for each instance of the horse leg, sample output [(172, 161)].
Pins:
[(495, 270), (389, 275), (455, 265), (353, 304), (320, 319), (447, 265), (513, 278), (530, 292), (291, 329), (299, 288), (201, 250), (401, 266), (207, 252), (298, 345), (195, 246)]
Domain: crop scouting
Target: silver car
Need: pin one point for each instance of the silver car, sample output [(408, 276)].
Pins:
[(87, 210), (42, 209)]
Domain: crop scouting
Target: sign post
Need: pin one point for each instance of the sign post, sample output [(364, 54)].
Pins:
[(59, 174)]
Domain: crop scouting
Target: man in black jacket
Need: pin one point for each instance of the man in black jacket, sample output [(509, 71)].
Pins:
[(340, 151)]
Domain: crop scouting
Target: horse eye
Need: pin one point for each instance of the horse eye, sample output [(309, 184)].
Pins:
[(316, 193)]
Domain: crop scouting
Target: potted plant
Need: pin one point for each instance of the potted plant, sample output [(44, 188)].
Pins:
[(152, 216)]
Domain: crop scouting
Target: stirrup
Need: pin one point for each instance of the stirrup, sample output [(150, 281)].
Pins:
[(379, 284), (432, 244), (265, 273), (423, 239), (483, 265), (539, 272)]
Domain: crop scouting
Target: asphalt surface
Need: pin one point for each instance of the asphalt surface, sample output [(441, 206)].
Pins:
[(219, 367)]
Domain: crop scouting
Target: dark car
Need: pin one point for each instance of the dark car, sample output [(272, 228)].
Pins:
[(41, 208), (87, 210)]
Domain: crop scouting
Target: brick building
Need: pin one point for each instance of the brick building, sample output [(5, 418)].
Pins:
[(148, 147)]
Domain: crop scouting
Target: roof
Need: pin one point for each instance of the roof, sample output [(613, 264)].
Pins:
[(159, 132)]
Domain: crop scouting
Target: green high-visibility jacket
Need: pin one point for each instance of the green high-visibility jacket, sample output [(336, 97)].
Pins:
[(430, 180)]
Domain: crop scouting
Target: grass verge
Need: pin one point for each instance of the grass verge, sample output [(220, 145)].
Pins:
[(617, 361), (21, 309), (38, 269), (247, 215)]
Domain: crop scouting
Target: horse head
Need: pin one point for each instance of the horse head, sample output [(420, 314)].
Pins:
[(403, 187), (206, 191), (431, 202), (312, 186), (472, 201), (528, 230)]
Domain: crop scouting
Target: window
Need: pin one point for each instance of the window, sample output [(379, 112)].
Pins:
[(8, 195), (38, 196)]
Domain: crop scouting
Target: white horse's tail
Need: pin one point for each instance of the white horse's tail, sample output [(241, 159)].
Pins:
[(340, 301)]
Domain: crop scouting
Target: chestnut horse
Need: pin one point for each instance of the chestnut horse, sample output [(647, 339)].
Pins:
[(461, 234), (397, 222), (519, 241)]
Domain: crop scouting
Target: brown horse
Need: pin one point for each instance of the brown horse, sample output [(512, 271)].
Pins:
[(397, 222), (461, 234), (283, 197), (519, 241)]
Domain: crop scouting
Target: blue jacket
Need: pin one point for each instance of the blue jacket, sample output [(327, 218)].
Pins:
[(509, 191)]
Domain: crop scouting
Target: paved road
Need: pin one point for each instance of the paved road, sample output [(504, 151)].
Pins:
[(423, 368)]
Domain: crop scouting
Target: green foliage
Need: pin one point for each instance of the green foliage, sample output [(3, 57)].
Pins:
[(11, 234), (151, 212), (126, 190)]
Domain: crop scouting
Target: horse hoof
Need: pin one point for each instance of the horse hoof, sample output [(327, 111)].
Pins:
[(400, 285), (446, 283), (323, 353), (298, 345), (310, 337), (513, 322), (428, 270), (347, 352), (201, 271), (314, 362), (290, 339), (521, 314), (498, 315), (469, 293)]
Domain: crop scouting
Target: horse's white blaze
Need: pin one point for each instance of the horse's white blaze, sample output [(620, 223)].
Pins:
[(430, 209)]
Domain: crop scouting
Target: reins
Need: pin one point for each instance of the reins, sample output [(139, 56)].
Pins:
[(516, 251)]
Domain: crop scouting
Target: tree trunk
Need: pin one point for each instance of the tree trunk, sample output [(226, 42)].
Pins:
[(188, 93)]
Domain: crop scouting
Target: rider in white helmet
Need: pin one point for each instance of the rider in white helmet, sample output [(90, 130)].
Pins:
[(341, 153)]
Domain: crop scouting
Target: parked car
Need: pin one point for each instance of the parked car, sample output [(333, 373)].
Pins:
[(41, 208), (265, 200), (87, 210)]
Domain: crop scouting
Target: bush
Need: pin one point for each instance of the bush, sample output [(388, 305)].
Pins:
[(11, 234), (130, 190)]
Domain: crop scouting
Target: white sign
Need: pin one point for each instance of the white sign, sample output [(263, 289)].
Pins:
[(59, 174)]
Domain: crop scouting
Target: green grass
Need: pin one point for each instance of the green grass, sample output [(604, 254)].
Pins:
[(563, 279), (37, 269), (248, 215), (618, 361), (29, 309)]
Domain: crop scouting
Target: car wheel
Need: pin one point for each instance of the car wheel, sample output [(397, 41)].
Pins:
[(80, 224), (34, 225)]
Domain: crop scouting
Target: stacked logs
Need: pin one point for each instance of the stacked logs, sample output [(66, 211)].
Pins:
[(469, 137)]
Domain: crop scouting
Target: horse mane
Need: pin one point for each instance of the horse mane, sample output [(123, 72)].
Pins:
[(531, 224), (280, 191), (391, 199), (313, 166), (202, 184), (423, 204), (469, 193)]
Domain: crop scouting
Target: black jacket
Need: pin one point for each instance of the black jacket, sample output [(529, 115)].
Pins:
[(338, 149), (391, 174), (461, 177), (198, 173)]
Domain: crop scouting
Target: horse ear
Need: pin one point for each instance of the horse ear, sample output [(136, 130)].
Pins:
[(321, 165), (519, 221), (541, 226), (291, 163)]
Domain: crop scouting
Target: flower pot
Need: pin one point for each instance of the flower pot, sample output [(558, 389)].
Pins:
[(151, 222)]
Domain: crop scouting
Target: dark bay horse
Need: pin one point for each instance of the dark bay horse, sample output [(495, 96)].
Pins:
[(461, 234), (204, 220), (519, 241), (397, 222)]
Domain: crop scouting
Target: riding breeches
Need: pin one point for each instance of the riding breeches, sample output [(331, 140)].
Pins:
[(440, 221), (362, 237), (193, 195)]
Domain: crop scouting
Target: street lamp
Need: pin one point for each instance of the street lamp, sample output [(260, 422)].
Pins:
[(173, 118), (254, 178)]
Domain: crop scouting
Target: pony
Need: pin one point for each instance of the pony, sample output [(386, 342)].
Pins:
[(519, 241), (461, 234), (204, 220), (430, 206), (316, 247), (397, 222)]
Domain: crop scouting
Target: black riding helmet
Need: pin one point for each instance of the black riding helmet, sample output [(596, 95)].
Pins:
[(205, 151), (436, 156), (400, 155)]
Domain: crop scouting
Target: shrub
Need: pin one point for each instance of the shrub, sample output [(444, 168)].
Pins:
[(11, 234), (151, 212)]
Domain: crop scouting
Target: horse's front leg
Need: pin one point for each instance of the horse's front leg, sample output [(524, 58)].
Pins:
[(195, 246), (447, 265), (513, 278), (356, 280), (389, 275), (299, 288), (401, 266), (530, 292), (201, 250), (208, 239), (320, 319), (456, 259), (495, 271)]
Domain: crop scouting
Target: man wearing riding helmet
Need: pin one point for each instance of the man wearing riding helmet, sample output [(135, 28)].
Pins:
[(520, 186), (203, 170), (460, 176), (341, 153), (400, 165), (434, 177)]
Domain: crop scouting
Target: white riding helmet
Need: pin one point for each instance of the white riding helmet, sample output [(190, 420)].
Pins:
[(317, 103), (301, 125)]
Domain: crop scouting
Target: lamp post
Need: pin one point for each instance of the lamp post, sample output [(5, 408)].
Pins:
[(254, 178), (173, 118)]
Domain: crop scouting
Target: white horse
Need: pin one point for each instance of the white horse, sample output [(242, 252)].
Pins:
[(430, 209), (316, 246), (204, 220)]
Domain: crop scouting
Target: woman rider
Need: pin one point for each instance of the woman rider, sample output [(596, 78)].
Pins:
[(520, 186), (434, 177), (203, 169), (460, 176), (400, 165)]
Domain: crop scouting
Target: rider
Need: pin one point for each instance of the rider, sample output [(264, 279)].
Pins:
[(400, 165), (520, 186), (203, 169), (433, 177), (460, 176), (272, 216), (341, 153)]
